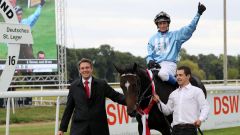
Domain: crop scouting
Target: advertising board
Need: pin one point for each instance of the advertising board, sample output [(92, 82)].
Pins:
[(224, 112), (41, 56)]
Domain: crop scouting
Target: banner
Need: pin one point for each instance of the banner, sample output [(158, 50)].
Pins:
[(224, 112)]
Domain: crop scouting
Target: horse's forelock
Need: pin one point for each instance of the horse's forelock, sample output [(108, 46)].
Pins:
[(126, 70), (130, 69)]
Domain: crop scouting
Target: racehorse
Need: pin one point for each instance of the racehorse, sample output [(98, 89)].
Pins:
[(137, 87)]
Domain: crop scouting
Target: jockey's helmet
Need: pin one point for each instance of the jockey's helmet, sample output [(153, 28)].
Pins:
[(162, 17)]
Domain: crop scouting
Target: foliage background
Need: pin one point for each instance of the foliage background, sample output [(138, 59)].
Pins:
[(207, 67)]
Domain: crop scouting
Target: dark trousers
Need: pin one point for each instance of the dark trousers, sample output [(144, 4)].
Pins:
[(184, 129), (84, 130)]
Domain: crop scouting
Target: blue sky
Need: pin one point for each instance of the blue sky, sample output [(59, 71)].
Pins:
[(127, 25)]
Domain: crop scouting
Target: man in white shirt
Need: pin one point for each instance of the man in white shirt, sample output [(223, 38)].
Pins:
[(187, 104)]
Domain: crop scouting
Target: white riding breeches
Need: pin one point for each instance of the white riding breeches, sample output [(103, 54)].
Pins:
[(167, 68)]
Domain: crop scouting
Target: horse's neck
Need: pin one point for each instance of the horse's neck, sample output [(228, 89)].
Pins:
[(146, 89), (145, 79)]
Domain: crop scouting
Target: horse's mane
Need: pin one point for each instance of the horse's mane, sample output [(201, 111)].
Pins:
[(141, 71), (129, 69)]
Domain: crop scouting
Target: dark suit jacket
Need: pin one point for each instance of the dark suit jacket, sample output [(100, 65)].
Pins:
[(89, 113)]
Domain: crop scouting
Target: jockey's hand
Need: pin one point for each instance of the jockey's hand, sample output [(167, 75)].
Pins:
[(151, 64), (197, 123), (156, 98), (201, 8)]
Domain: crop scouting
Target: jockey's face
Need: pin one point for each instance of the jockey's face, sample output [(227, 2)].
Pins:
[(85, 70), (182, 78), (19, 16), (163, 26)]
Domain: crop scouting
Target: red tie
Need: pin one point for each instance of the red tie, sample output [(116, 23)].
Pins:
[(87, 89)]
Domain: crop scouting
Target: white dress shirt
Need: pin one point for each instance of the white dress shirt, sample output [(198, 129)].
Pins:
[(187, 104), (89, 84)]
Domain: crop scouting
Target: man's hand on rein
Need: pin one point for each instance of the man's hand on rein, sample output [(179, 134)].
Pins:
[(156, 98)]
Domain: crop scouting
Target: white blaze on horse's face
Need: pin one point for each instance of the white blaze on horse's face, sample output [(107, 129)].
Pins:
[(127, 84)]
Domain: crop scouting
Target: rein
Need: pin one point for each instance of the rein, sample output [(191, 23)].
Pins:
[(142, 95)]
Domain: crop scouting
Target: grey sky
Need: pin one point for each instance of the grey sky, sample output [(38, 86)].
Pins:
[(127, 25)]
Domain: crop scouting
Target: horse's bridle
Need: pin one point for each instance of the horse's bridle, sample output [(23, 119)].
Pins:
[(140, 97)]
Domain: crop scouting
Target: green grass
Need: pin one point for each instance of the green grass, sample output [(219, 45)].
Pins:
[(223, 131), (30, 114), (30, 121), (41, 121), (48, 129), (33, 129), (43, 31)]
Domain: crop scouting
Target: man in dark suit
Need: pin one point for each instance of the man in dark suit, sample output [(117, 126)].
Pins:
[(86, 101)]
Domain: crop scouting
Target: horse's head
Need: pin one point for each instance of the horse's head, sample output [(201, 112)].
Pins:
[(131, 85)]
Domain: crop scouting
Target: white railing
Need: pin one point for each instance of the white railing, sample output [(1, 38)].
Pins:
[(44, 91), (229, 82)]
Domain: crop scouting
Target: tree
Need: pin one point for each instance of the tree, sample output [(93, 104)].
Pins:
[(194, 68), (185, 56), (72, 64), (233, 73), (212, 66), (104, 62), (238, 59)]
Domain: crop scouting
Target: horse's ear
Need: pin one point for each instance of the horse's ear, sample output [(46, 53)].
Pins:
[(135, 67), (120, 70)]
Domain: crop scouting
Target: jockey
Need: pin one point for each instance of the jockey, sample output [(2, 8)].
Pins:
[(164, 46)]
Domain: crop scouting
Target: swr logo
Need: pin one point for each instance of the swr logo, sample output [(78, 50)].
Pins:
[(226, 104), (116, 112)]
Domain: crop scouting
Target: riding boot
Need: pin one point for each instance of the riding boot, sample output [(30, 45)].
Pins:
[(172, 80)]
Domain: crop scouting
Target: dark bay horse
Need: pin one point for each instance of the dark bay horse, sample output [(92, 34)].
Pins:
[(136, 86)]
